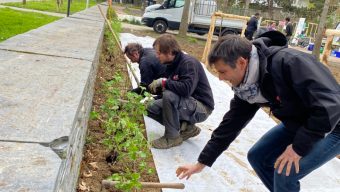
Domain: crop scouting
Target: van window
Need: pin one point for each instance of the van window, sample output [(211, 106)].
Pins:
[(179, 3)]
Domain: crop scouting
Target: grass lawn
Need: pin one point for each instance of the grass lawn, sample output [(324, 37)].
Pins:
[(51, 5), (15, 22)]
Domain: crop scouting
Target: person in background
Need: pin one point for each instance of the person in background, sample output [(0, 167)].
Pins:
[(272, 26), (149, 65), (289, 29), (300, 91), (252, 26), (186, 94)]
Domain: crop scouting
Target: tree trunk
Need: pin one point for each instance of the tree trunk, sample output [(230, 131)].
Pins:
[(246, 8), (270, 8), (222, 5), (24, 2), (183, 28), (318, 39), (225, 5)]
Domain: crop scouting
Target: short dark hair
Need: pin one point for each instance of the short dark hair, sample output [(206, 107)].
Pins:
[(257, 14), (229, 48), (132, 47), (288, 19), (167, 44)]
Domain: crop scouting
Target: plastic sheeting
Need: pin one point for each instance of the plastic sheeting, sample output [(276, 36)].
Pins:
[(231, 171)]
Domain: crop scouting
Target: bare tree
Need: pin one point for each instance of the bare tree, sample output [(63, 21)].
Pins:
[(183, 28), (270, 8), (322, 22), (222, 5), (246, 7)]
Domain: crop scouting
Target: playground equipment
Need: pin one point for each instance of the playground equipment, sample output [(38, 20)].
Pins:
[(212, 29), (330, 33)]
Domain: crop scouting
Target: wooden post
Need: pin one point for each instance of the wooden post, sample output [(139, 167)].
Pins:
[(244, 28), (212, 29), (330, 33), (208, 43)]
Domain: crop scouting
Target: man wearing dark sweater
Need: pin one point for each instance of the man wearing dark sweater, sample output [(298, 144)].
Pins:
[(289, 29), (187, 96), (252, 26), (149, 66)]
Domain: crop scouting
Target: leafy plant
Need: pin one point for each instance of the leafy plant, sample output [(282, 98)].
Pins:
[(121, 116)]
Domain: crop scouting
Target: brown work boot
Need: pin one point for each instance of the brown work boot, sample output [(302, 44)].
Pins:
[(190, 131), (166, 143)]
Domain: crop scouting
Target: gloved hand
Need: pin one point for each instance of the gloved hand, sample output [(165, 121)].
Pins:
[(157, 85)]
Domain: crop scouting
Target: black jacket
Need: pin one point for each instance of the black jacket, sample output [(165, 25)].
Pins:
[(149, 66), (252, 24), (150, 69), (289, 29), (301, 92), (186, 77)]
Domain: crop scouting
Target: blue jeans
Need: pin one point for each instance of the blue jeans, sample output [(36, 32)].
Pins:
[(264, 153)]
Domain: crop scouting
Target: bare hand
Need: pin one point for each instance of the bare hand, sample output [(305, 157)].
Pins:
[(187, 170), (289, 156)]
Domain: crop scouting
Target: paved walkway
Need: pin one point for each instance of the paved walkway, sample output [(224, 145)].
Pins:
[(35, 11), (10, 1)]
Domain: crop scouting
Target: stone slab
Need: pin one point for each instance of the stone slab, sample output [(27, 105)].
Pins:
[(67, 37), (39, 95), (92, 13), (27, 167)]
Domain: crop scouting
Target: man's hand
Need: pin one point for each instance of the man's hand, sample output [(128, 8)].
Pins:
[(187, 170), (289, 156), (157, 85)]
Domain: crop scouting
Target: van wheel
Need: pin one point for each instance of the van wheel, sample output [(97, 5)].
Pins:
[(160, 26)]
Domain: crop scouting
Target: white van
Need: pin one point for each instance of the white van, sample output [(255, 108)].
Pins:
[(168, 16)]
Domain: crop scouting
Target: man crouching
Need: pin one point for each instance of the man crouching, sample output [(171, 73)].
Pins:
[(187, 96)]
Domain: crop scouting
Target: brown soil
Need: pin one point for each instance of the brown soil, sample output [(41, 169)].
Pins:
[(94, 167)]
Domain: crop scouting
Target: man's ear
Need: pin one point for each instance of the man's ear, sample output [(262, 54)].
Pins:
[(135, 54), (243, 63)]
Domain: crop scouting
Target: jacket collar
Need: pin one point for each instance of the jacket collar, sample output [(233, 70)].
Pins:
[(173, 64)]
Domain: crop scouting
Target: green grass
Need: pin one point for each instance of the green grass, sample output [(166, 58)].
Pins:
[(16, 22), (133, 21), (51, 5)]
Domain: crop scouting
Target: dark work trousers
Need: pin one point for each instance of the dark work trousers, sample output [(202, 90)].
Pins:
[(172, 109), (249, 35)]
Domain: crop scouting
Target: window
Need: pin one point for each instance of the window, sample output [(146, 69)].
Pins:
[(179, 3)]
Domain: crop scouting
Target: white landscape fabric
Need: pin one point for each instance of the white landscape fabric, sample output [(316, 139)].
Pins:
[(231, 171)]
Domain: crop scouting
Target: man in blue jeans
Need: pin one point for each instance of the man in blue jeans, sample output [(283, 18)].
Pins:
[(299, 90)]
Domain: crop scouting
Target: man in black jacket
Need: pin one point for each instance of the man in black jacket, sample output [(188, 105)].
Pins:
[(299, 90), (289, 29), (149, 66), (187, 96), (252, 26)]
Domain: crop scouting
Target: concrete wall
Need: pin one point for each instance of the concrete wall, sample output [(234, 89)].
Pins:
[(46, 81)]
